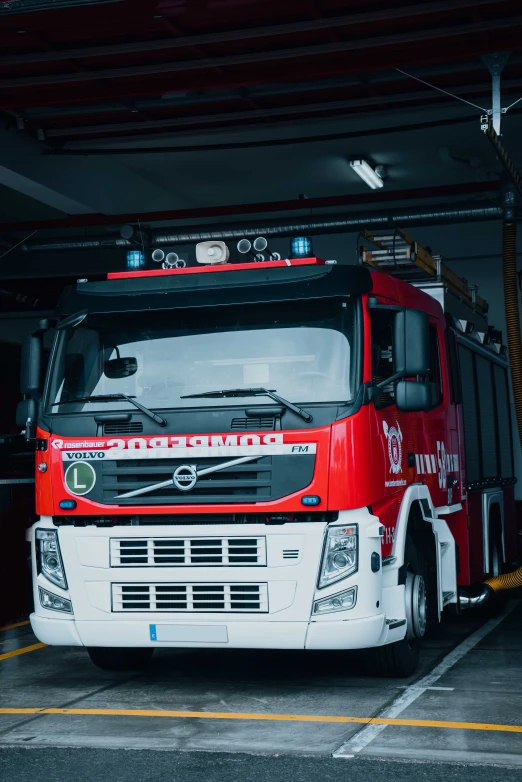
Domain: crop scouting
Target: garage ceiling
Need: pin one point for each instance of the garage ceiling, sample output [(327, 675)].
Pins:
[(132, 108)]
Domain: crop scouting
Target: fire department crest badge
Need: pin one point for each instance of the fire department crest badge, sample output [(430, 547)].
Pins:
[(394, 437)]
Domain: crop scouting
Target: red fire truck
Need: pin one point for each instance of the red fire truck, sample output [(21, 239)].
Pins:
[(279, 454)]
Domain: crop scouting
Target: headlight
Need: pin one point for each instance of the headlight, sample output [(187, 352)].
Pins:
[(340, 554), (342, 601), (54, 602), (48, 558)]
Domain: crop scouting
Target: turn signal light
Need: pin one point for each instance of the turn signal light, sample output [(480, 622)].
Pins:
[(310, 499), (67, 504)]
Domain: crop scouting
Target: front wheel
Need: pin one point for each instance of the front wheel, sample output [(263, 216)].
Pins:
[(400, 659), (397, 660), (110, 658)]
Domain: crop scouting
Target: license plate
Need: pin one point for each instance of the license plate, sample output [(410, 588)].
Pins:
[(189, 633)]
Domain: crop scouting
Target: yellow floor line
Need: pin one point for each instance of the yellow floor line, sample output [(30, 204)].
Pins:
[(17, 624), (218, 715), (23, 650)]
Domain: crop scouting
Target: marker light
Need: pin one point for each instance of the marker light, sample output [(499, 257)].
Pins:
[(310, 499), (363, 169), (54, 602), (48, 557), (67, 504), (260, 245), (244, 246), (301, 247), (135, 259), (173, 261), (340, 554)]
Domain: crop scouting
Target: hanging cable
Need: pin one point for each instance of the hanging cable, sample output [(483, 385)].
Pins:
[(513, 104), (439, 89), (18, 244)]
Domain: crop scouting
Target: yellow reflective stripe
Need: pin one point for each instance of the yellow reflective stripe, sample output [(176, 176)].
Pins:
[(17, 624), (23, 650), (219, 715)]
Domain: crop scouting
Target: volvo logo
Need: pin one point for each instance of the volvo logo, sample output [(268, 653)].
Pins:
[(185, 477)]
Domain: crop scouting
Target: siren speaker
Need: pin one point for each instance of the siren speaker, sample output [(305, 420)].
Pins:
[(212, 252), (158, 255)]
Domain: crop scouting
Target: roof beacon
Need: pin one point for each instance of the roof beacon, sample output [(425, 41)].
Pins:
[(212, 252)]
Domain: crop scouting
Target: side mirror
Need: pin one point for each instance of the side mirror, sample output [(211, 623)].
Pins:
[(26, 415), (31, 362), (412, 396), (118, 368), (411, 343)]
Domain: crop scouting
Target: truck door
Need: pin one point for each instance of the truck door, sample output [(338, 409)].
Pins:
[(436, 443)]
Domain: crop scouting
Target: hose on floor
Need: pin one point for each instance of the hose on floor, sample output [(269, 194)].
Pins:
[(492, 585), (507, 581)]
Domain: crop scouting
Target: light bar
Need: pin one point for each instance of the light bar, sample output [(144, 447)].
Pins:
[(363, 169)]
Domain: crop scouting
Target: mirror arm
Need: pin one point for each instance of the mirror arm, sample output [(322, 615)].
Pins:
[(388, 380), (30, 430)]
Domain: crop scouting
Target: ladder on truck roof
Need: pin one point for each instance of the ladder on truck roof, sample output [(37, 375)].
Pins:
[(398, 254)]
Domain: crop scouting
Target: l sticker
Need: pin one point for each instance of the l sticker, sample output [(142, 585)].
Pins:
[(80, 478)]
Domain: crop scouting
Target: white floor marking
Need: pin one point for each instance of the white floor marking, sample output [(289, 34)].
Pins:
[(411, 693), (446, 689)]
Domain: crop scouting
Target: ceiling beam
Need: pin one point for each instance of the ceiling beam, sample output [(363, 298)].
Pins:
[(420, 98), (87, 220), (112, 50), (451, 73), (432, 34)]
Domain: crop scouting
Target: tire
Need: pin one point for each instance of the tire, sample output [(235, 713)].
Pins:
[(397, 660), (400, 659), (110, 658)]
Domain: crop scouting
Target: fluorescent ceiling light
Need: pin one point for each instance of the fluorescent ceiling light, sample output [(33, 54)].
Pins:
[(363, 169)]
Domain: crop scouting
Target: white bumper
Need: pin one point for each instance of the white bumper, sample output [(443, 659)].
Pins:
[(290, 584), (347, 634)]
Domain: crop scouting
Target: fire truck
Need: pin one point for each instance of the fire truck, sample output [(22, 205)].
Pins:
[(283, 454)]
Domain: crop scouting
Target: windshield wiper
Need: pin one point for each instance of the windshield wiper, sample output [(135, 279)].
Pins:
[(231, 392), (108, 397)]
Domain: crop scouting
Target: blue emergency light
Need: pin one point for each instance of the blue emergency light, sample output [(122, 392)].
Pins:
[(135, 259), (301, 247)]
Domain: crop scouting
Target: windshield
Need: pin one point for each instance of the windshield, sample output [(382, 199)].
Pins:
[(302, 350)]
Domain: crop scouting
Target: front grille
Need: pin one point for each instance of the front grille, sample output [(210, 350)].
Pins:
[(188, 552), (224, 598), (253, 423), (123, 427), (249, 482), (264, 479)]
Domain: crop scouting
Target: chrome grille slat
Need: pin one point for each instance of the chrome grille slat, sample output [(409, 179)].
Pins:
[(187, 598), (188, 552)]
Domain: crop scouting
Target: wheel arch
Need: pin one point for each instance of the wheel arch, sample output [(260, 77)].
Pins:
[(418, 504)]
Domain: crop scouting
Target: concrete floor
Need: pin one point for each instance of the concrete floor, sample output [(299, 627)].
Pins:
[(481, 684)]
